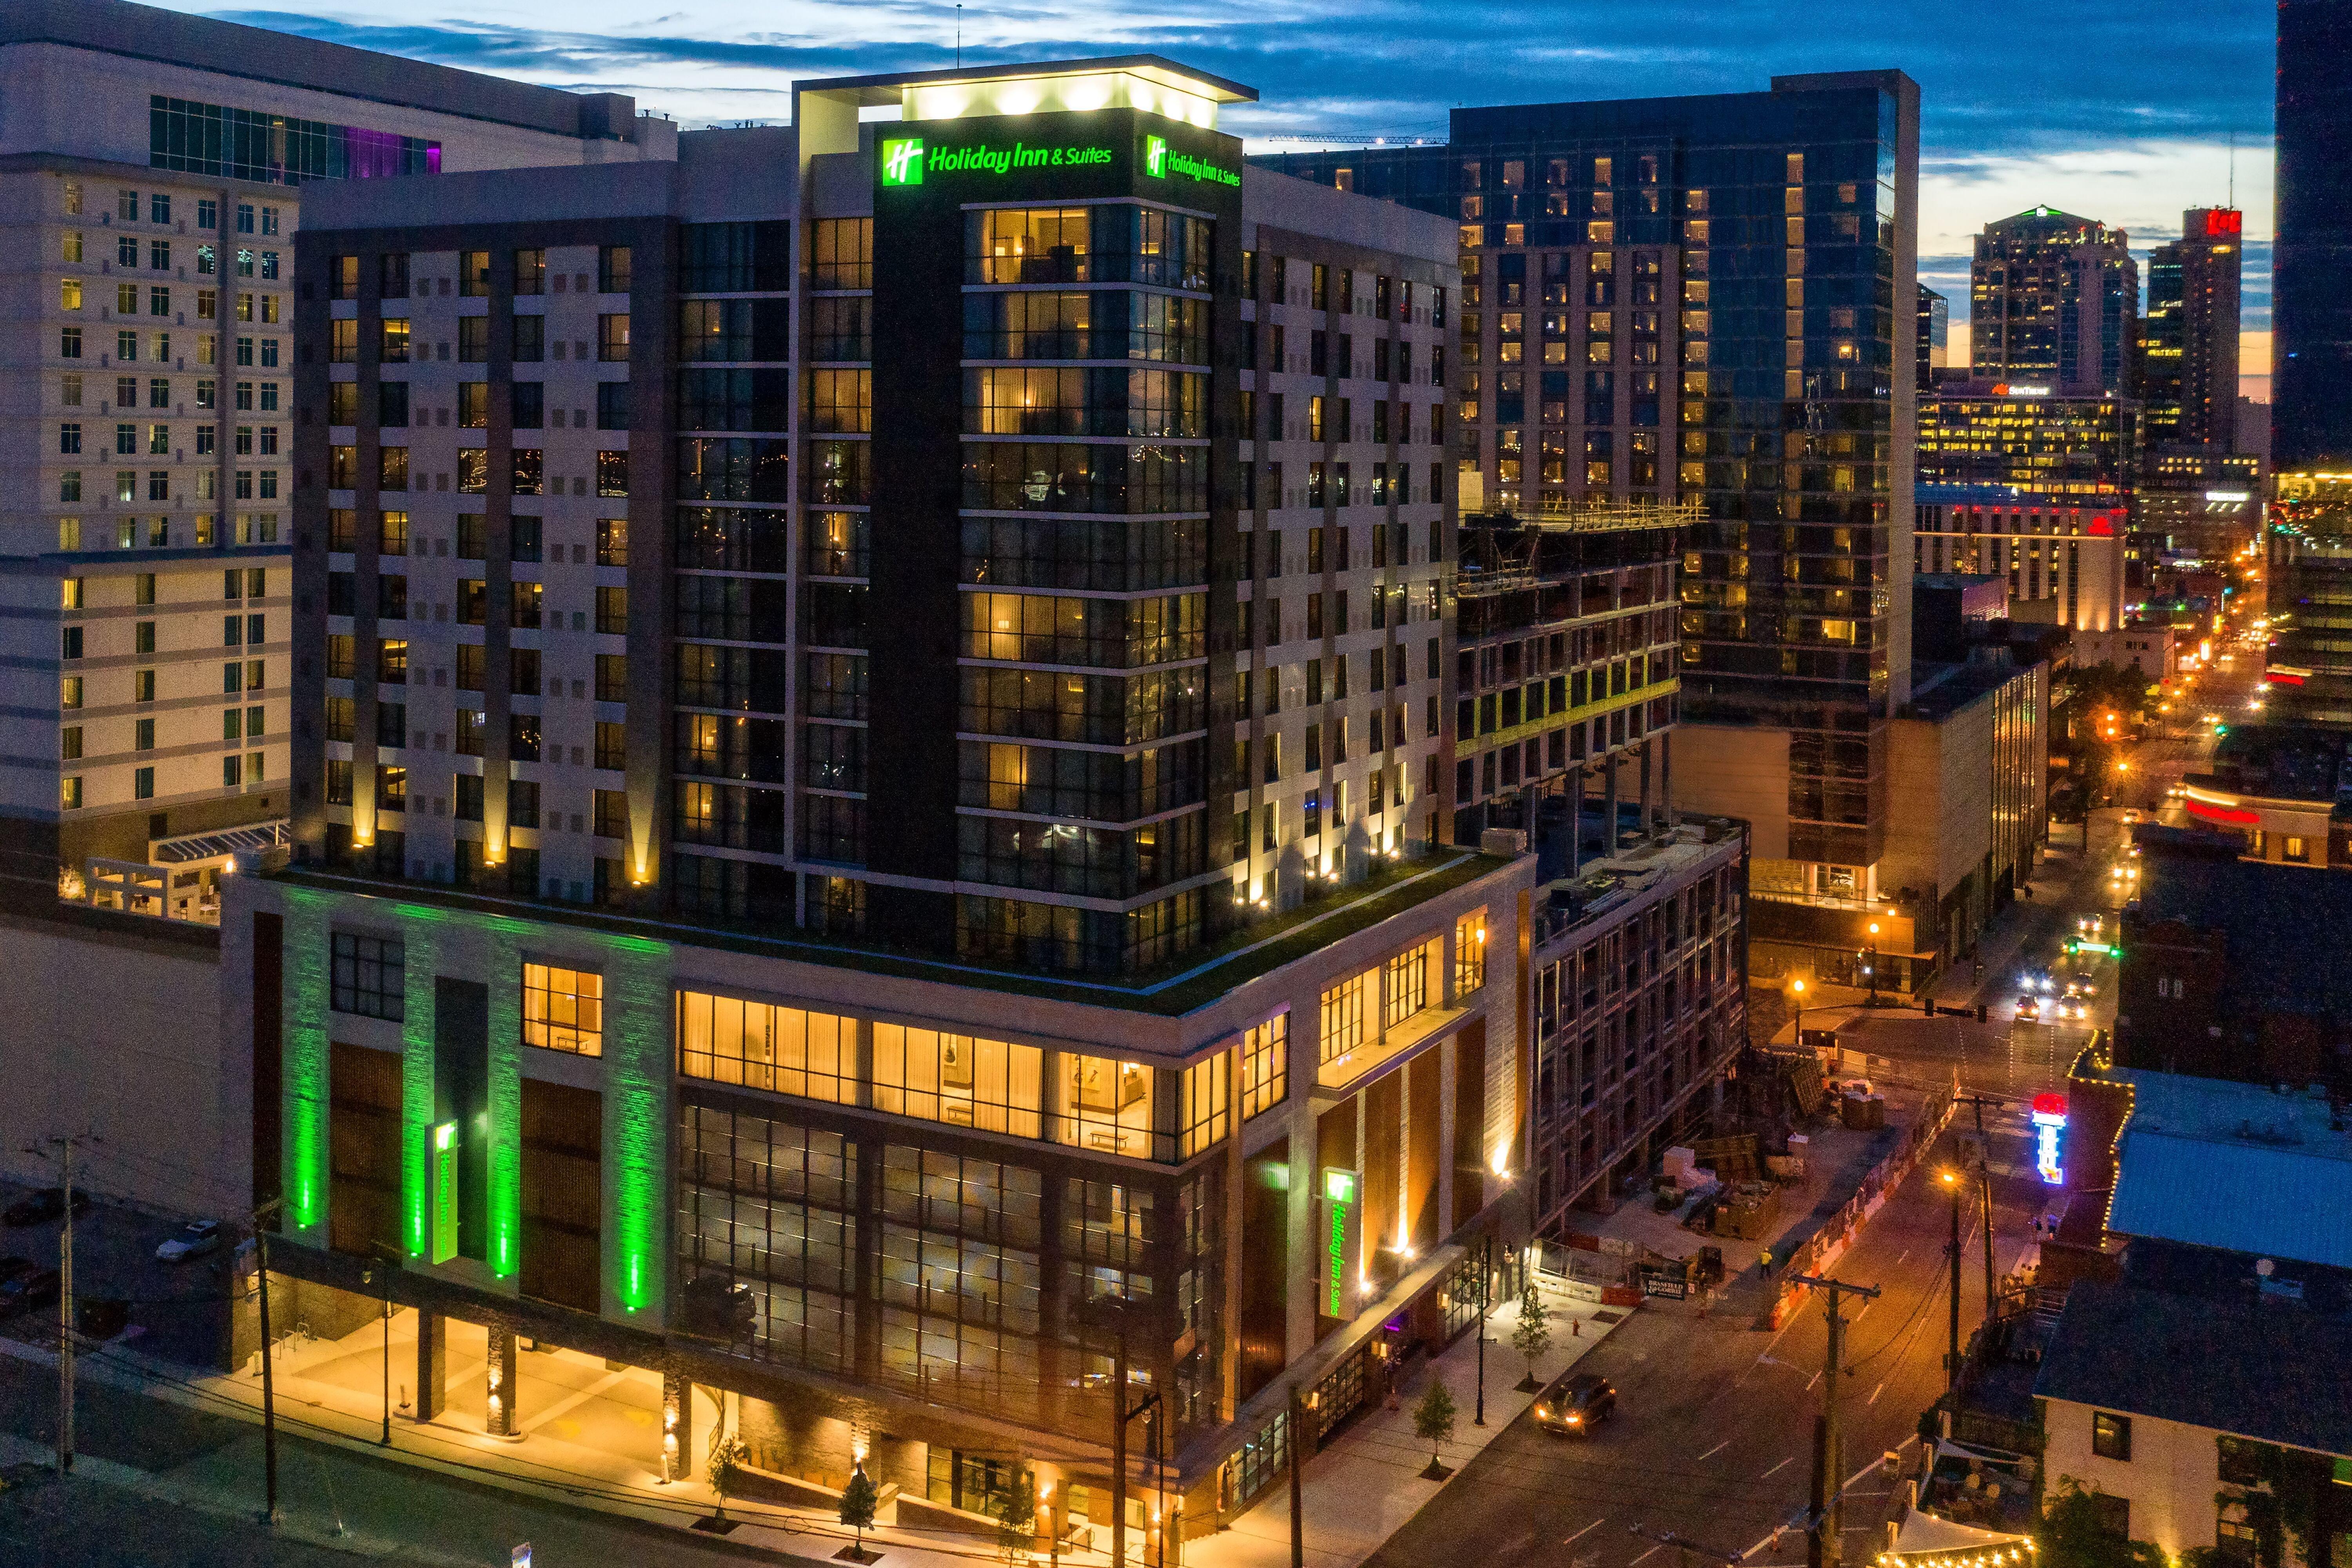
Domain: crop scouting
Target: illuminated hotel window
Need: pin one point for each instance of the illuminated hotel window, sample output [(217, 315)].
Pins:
[(564, 1009), (1265, 1065), (1469, 952), (783, 1050), (987, 1084)]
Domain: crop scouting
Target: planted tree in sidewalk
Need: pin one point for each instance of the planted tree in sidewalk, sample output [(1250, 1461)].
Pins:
[(1432, 1420), (1016, 1516), (726, 1458), (858, 1500), (1532, 1336)]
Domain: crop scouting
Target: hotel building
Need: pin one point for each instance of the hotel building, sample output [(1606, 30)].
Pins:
[(866, 792)]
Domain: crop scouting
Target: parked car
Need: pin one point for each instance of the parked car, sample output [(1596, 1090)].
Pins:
[(191, 1241), (39, 1287), (1575, 1402), (48, 1203)]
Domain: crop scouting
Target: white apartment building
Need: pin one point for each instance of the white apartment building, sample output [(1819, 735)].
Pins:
[(151, 169)]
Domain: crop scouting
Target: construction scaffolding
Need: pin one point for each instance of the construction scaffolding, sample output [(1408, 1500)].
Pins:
[(1502, 548)]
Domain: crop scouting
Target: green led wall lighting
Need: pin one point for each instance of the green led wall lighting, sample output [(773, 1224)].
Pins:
[(307, 1060), (637, 1084), (420, 930)]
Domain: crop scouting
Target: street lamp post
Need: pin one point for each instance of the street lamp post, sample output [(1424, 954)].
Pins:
[(1870, 970), (1797, 989), (1486, 1301), (1952, 1359)]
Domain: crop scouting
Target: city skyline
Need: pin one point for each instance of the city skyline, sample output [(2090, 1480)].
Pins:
[(2150, 134)]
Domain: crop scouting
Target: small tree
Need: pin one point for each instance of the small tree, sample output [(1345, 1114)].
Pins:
[(858, 1501), (726, 1455), (2074, 1533), (1532, 1336), (1016, 1516), (1432, 1420)]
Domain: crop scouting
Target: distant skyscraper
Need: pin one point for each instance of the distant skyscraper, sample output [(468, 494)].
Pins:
[(2311, 267), (2054, 299), (2189, 342), (1934, 336)]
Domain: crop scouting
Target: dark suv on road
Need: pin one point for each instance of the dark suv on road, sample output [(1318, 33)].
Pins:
[(1575, 1402)]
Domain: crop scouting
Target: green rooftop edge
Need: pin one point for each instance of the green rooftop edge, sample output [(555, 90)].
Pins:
[(1253, 949)]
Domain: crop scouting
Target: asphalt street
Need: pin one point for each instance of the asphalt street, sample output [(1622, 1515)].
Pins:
[(1713, 1433)]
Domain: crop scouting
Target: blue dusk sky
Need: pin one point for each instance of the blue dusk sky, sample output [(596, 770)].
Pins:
[(2122, 111)]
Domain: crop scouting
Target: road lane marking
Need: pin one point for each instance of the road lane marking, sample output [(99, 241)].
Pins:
[(1876, 1391), (1646, 1556), (1810, 1381), (1582, 1534), (1902, 1255), (1777, 1468), (1718, 1449)]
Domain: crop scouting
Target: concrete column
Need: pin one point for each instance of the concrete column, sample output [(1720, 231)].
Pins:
[(1667, 773), (1649, 812), (677, 1428), (1575, 817), (499, 1383), (1609, 834), (432, 1364)]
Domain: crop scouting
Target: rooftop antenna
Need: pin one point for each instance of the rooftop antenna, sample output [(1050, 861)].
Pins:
[(959, 65), (2233, 170)]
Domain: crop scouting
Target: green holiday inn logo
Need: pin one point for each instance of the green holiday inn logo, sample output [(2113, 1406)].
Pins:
[(1161, 163), (902, 160)]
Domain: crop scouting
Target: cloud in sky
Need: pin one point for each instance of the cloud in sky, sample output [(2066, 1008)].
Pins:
[(2115, 109)]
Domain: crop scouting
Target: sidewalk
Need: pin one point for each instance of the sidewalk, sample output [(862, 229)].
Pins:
[(590, 1432)]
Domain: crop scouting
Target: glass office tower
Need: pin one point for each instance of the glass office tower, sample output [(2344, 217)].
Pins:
[(1711, 300)]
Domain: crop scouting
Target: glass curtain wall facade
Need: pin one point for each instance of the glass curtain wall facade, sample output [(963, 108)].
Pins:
[(2311, 283), (1710, 300), (1039, 690)]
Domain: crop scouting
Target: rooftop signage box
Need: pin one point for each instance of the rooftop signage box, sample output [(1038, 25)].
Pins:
[(1078, 155)]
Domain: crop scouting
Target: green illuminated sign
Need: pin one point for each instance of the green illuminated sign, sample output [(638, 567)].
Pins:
[(906, 160), (902, 160), (1159, 162), (1340, 1240), (444, 1192)]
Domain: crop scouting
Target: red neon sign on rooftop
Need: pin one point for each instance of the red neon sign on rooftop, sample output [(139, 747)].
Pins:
[(2223, 221)]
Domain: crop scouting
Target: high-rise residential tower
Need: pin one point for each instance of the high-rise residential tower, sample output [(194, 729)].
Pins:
[(153, 171), (2054, 300), (1934, 346), (2188, 340), (1710, 302), (2311, 266)]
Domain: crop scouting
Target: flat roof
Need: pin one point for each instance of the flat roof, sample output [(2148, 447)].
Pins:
[(876, 90), (289, 59), (2270, 1371), (1205, 974)]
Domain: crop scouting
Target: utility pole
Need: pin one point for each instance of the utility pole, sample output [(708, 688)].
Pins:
[(1827, 1512), (65, 1317), (1984, 1182), (1952, 1253), (64, 1147), (261, 1219)]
